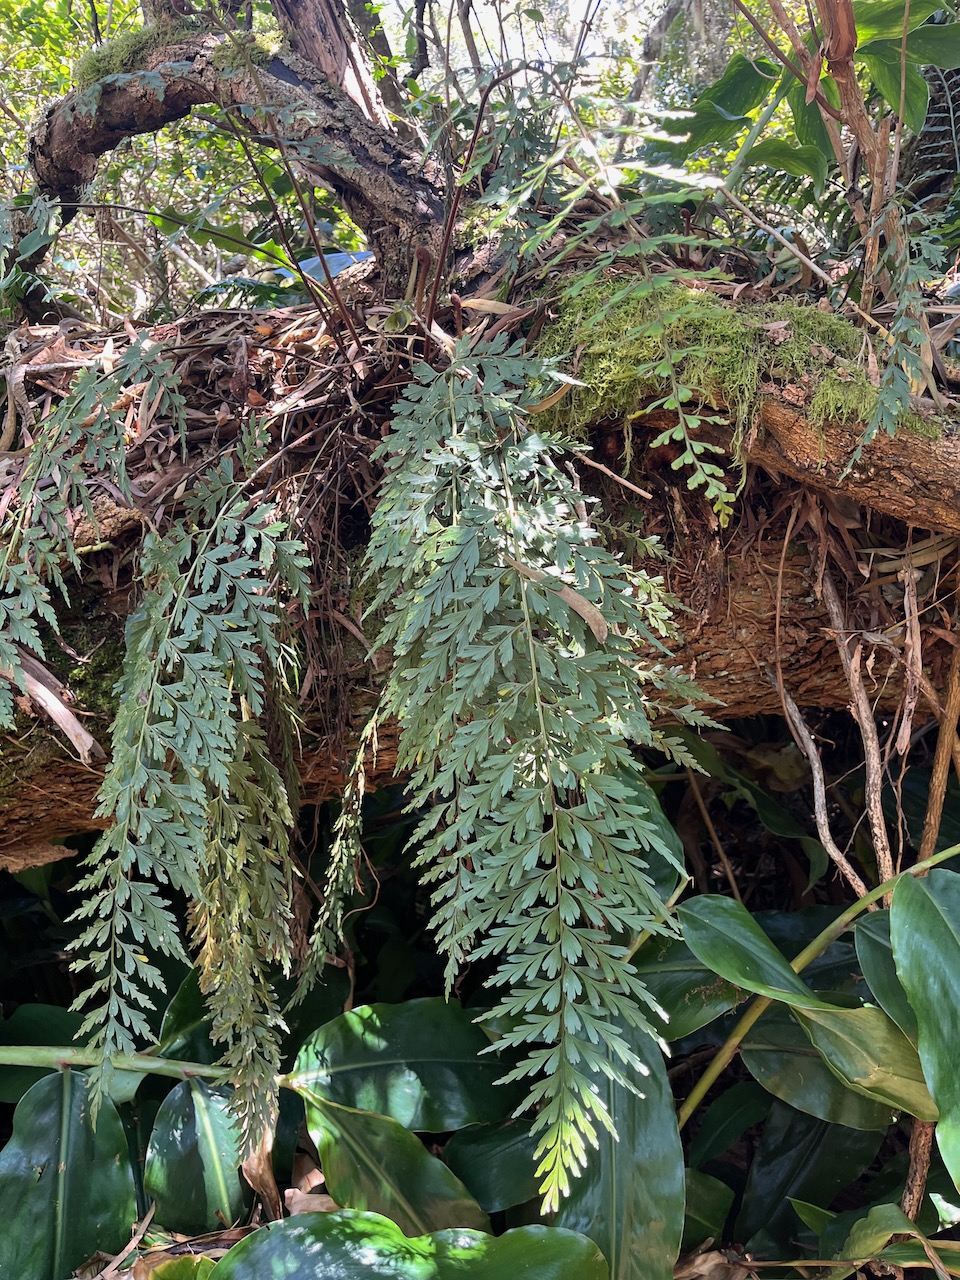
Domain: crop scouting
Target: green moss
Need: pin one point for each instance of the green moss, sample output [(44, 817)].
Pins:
[(628, 345), (128, 52), (246, 49), (843, 400)]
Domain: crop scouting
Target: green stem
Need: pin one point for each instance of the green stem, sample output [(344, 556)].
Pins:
[(833, 931), (761, 122), (57, 1057)]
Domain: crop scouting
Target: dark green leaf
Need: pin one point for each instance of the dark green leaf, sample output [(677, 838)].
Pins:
[(66, 1190), (185, 1030), (418, 1062), (891, 78), (725, 937), (690, 994), (875, 953), (871, 1054), (737, 1109), (798, 1157), (781, 156), (630, 1197), (193, 1161), (778, 1054), (365, 1246), (495, 1163), (925, 931), (39, 1024), (883, 19), (372, 1162), (708, 1204)]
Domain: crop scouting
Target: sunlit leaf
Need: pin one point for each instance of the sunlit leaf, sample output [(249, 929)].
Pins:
[(365, 1246)]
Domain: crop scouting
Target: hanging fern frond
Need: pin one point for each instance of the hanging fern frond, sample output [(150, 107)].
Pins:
[(520, 691), (195, 801)]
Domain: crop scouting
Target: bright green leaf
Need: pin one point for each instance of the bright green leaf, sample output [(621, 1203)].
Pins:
[(871, 1054), (372, 1162), (892, 78), (782, 157), (419, 1062), (193, 1161), (630, 1197), (883, 19), (925, 931), (365, 1246)]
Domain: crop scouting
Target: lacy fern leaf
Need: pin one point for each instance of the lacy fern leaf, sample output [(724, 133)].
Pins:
[(195, 801), (520, 689)]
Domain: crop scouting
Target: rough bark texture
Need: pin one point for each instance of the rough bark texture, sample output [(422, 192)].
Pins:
[(729, 631), (382, 183)]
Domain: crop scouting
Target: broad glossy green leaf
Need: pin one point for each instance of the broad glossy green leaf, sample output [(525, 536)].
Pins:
[(185, 1030), (419, 1062), (66, 1190), (936, 44), (726, 938), (812, 1216), (870, 1234), (781, 156), (365, 1246), (883, 19), (722, 110), (912, 1254), (193, 1161), (690, 994), (737, 1109), (872, 1055), (630, 1198), (891, 79), (875, 953), (708, 1206), (39, 1024), (372, 1162), (495, 1163), (811, 132), (778, 1054), (925, 931), (798, 1157)]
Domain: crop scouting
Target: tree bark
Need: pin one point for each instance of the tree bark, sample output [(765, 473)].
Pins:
[(384, 184), (746, 595)]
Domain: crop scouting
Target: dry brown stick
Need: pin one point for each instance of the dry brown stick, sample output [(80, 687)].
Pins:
[(805, 740), (921, 1144), (714, 837), (933, 701), (946, 746), (863, 714)]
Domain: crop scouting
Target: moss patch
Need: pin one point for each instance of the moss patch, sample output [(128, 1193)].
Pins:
[(128, 52), (247, 48), (634, 344)]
